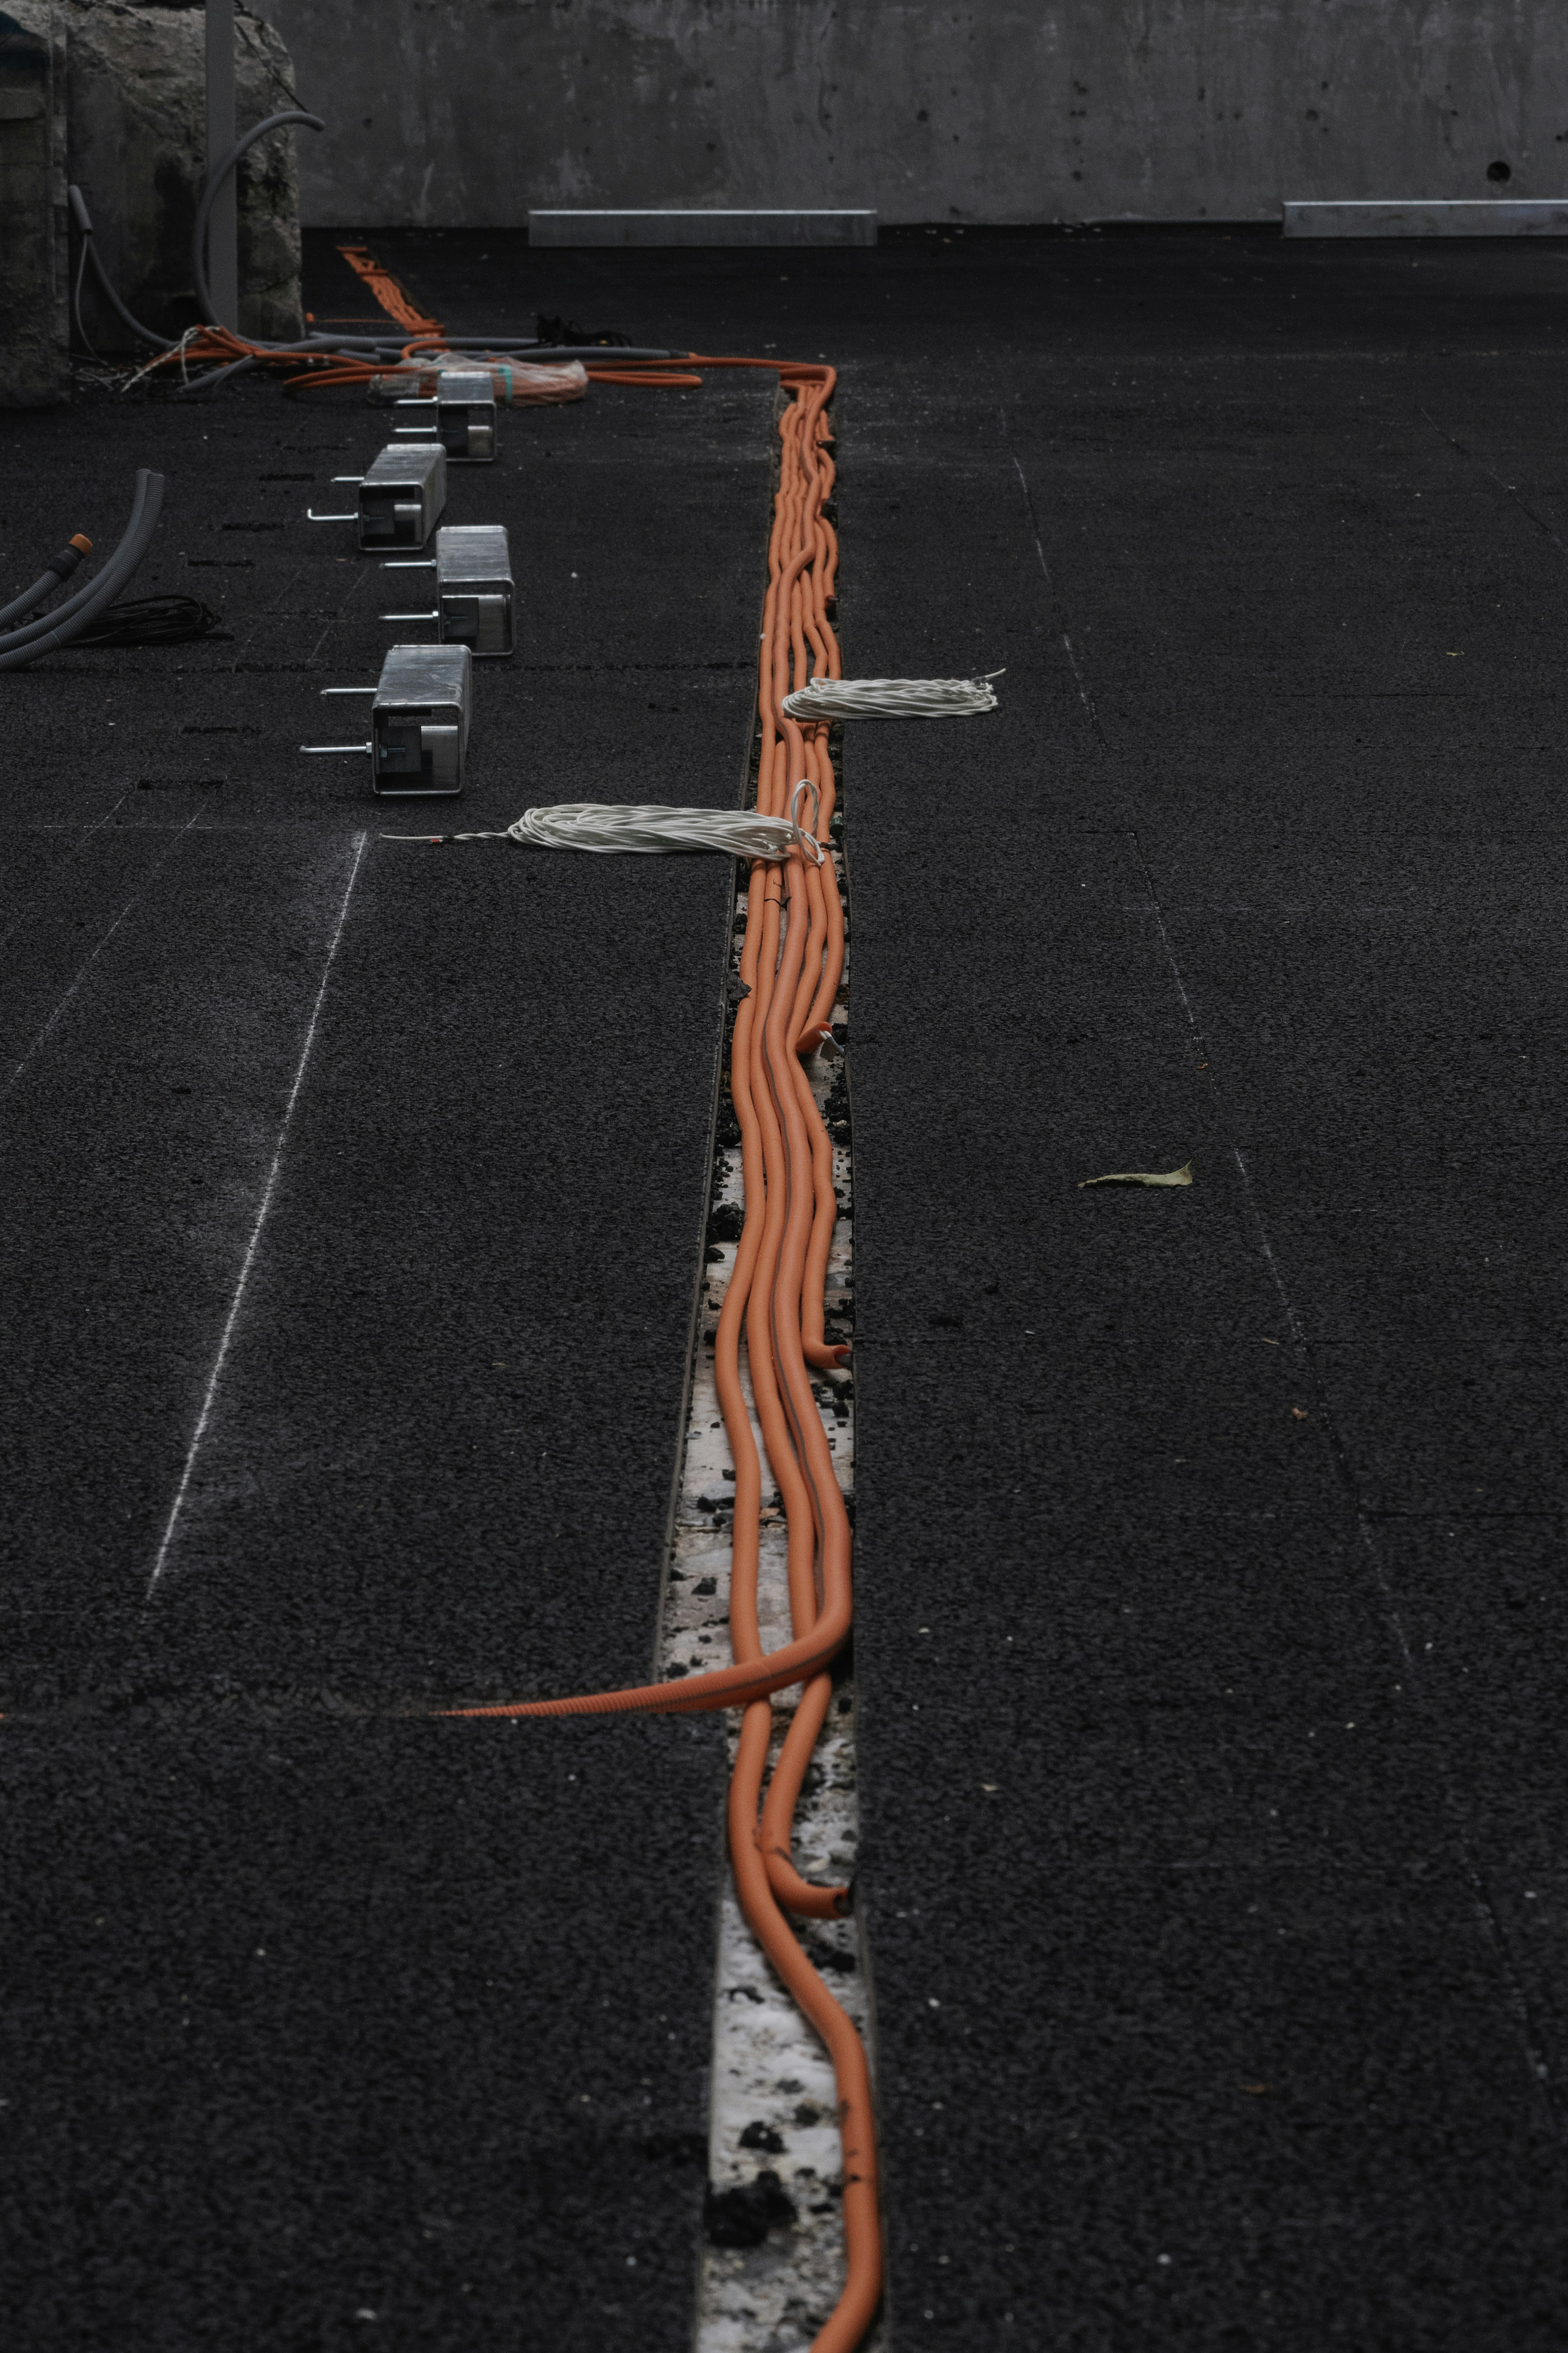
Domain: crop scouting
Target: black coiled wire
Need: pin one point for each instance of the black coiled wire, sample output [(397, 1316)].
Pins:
[(149, 621)]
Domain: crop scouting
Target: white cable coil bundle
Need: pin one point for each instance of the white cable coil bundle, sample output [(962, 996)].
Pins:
[(892, 698), (647, 828)]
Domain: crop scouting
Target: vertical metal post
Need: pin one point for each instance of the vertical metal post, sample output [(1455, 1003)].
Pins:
[(223, 238)]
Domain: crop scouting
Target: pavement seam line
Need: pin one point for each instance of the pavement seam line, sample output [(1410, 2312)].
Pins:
[(1486, 1912), (209, 1398), (83, 836), (1057, 614), (1480, 1897), (86, 966)]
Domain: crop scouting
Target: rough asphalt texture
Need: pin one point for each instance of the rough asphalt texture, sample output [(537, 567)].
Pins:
[(1212, 1879), (1209, 1541)]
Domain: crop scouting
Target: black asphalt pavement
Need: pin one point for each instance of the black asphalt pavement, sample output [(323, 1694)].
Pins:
[(319, 2013), (1210, 1547)]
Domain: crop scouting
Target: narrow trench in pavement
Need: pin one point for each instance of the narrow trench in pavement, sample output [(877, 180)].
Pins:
[(773, 2261)]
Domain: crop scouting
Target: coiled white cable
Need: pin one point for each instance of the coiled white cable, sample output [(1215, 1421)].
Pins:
[(646, 829), (892, 697), (599, 826)]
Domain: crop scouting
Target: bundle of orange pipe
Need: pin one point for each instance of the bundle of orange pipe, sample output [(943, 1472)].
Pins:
[(219, 346), (215, 347), (793, 958), (792, 962)]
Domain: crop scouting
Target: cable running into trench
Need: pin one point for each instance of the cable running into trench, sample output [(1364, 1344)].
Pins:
[(791, 963)]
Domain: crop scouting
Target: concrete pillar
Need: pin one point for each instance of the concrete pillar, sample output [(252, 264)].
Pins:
[(223, 224)]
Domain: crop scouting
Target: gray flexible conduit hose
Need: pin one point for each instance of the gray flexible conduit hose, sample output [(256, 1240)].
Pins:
[(44, 586), (388, 345), (73, 604), (55, 630), (83, 219), (215, 182)]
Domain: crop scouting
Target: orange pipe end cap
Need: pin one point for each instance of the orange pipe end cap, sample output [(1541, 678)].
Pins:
[(80, 539)]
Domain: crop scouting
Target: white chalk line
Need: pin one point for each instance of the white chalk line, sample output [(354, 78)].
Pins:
[(204, 1416), (83, 836), (86, 966)]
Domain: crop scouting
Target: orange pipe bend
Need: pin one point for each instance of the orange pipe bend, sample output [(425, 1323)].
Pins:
[(793, 1892), (857, 2306)]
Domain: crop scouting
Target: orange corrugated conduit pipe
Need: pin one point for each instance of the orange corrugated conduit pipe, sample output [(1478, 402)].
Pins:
[(791, 965)]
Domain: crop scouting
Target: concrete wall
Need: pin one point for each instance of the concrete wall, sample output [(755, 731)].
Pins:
[(34, 371), (446, 112), (138, 149)]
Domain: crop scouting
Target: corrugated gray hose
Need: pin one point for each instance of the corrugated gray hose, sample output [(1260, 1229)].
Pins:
[(51, 630), (61, 567)]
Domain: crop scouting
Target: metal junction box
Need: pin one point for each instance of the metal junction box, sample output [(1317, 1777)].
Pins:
[(402, 497), (419, 720), (462, 416), (474, 596)]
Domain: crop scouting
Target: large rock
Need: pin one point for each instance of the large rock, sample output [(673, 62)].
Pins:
[(138, 150), (34, 366)]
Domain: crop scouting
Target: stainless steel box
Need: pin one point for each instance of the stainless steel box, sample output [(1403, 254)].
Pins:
[(475, 599), (419, 720), (402, 497), (461, 415)]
